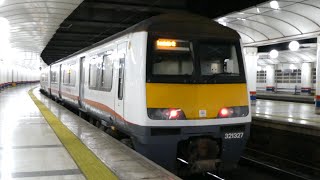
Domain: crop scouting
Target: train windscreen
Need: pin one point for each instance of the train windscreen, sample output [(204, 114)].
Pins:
[(194, 61)]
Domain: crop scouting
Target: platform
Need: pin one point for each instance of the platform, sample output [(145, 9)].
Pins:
[(286, 97), (292, 116), (29, 149), (43, 140), (122, 161)]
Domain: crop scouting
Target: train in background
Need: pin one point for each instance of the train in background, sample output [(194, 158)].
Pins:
[(175, 84)]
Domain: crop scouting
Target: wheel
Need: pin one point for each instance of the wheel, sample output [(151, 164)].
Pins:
[(127, 142)]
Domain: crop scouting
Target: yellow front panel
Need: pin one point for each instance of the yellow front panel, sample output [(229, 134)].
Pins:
[(192, 98)]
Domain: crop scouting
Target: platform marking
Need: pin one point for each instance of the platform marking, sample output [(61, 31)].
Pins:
[(46, 173), (89, 164), (36, 146), (294, 118)]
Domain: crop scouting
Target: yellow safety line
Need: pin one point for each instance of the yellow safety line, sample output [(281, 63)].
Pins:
[(294, 118), (89, 164)]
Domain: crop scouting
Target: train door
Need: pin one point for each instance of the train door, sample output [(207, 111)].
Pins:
[(59, 80), (49, 80), (119, 98), (81, 80)]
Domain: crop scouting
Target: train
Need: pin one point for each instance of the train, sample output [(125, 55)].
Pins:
[(175, 84)]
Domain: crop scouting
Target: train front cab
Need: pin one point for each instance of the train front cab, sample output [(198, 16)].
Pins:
[(197, 105)]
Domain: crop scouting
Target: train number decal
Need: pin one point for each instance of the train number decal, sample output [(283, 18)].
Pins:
[(237, 135)]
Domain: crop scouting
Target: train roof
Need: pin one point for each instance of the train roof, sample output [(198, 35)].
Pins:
[(185, 23), (180, 24)]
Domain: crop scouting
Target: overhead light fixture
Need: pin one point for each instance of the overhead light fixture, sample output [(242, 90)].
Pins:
[(1, 2), (274, 54), (258, 10), (292, 67), (294, 45), (222, 21), (274, 4), (259, 68), (5, 27)]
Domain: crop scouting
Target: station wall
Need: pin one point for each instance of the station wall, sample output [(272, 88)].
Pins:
[(287, 78), (11, 75)]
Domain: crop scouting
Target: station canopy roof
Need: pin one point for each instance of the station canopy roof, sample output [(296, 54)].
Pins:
[(262, 24), (268, 23), (26, 26), (289, 57), (54, 29)]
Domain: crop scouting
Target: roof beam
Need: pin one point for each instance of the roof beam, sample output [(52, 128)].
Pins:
[(71, 48), (130, 7), (95, 23), (68, 43), (80, 34)]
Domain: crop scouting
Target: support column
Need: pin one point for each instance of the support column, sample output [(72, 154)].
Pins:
[(270, 78), (306, 78), (251, 58), (317, 98), (1, 76)]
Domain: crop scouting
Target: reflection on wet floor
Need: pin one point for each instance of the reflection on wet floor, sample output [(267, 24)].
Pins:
[(29, 149), (289, 111)]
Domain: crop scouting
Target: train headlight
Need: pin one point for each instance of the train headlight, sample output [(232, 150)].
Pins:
[(237, 111), (166, 114)]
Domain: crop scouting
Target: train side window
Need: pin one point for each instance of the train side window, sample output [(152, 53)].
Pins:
[(53, 76), (45, 77), (69, 75), (106, 73), (72, 75), (65, 78), (93, 74)]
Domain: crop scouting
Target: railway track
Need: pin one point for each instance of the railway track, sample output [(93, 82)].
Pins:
[(248, 167), (285, 168)]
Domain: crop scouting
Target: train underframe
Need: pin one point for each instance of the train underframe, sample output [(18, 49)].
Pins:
[(192, 150)]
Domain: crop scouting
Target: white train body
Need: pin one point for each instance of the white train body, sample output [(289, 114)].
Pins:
[(111, 81)]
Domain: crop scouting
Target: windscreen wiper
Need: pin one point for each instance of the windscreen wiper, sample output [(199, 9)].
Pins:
[(227, 73), (213, 76)]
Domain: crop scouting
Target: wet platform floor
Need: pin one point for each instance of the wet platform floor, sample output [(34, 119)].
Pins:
[(288, 112), (29, 149)]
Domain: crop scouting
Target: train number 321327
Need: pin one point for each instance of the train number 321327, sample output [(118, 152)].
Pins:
[(237, 135)]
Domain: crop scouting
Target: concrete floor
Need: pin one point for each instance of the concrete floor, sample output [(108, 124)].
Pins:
[(29, 149)]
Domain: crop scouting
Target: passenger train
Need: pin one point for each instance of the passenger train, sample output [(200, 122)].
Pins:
[(174, 83)]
